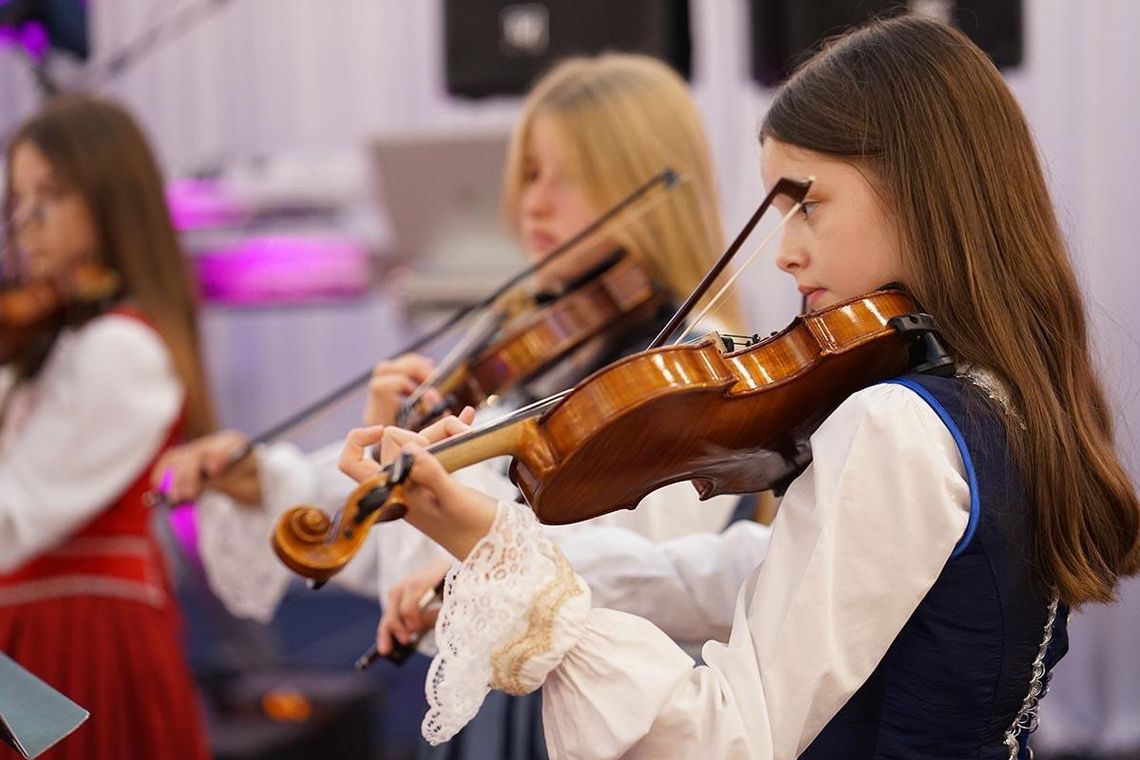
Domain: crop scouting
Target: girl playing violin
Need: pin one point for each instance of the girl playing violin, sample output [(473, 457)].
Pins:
[(591, 131), (84, 599), (916, 590)]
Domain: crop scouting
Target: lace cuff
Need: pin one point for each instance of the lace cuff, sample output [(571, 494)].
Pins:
[(234, 539), (510, 613)]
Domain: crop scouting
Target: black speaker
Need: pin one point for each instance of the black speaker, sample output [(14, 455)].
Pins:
[(786, 32), (497, 47)]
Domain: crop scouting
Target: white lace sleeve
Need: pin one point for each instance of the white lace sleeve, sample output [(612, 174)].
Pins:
[(511, 611), (234, 538)]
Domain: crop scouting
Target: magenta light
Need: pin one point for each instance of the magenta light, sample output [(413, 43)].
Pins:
[(284, 269), (184, 528), (166, 481), (35, 39), (32, 36), (199, 204)]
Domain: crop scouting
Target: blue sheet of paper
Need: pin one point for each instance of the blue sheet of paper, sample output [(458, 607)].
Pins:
[(33, 715)]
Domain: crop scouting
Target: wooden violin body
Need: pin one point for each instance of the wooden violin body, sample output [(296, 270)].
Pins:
[(731, 423), (31, 313), (622, 294)]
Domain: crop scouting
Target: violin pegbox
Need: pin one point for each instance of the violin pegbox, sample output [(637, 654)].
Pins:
[(382, 498), (317, 547)]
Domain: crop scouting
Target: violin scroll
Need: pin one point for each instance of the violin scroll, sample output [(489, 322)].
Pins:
[(309, 524), (312, 544)]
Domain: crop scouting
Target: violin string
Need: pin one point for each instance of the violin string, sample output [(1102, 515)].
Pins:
[(483, 328), (723, 291), (475, 334), (795, 190), (530, 410)]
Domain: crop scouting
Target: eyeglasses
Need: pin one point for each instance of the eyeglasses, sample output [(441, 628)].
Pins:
[(36, 212)]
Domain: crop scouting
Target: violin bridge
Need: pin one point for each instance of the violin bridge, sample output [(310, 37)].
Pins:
[(739, 342)]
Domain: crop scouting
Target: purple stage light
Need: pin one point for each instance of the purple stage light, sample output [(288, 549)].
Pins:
[(31, 36), (203, 204), (184, 528), (284, 269)]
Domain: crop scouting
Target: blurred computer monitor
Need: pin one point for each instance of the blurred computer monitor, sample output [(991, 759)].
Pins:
[(441, 194)]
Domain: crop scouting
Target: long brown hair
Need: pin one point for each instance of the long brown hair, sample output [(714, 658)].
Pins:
[(98, 149), (627, 117), (921, 109)]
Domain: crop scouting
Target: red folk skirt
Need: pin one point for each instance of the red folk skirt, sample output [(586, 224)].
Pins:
[(121, 661), (94, 618)]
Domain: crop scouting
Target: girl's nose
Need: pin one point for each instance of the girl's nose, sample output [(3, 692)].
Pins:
[(790, 257), (538, 198)]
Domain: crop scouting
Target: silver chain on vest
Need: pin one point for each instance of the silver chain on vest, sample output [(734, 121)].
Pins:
[(1026, 720)]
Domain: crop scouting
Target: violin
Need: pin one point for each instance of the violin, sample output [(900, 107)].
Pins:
[(629, 429), (32, 313), (619, 294)]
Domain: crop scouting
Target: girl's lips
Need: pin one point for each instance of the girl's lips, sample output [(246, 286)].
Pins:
[(811, 294), (540, 242)]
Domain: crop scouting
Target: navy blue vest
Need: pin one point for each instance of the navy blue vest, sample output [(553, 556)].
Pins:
[(955, 678)]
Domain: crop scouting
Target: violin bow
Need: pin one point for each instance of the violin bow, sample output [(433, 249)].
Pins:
[(666, 179), (794, 189)]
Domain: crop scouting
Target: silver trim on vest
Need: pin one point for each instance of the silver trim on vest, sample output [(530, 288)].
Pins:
[(1026, 720)]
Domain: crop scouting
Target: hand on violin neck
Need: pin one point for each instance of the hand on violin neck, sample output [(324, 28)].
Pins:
[(454, 516), (395, 438), (209, 462), (392, 382), (368, 449)]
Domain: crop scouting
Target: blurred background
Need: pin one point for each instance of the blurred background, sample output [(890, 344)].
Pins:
[(335, 167)]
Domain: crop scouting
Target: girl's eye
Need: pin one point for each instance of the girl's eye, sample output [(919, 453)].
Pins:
[(807, 208), (529, 171)]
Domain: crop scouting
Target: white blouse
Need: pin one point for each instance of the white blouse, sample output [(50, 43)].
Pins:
[(653, 561), (77, 436), (859, 539)]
